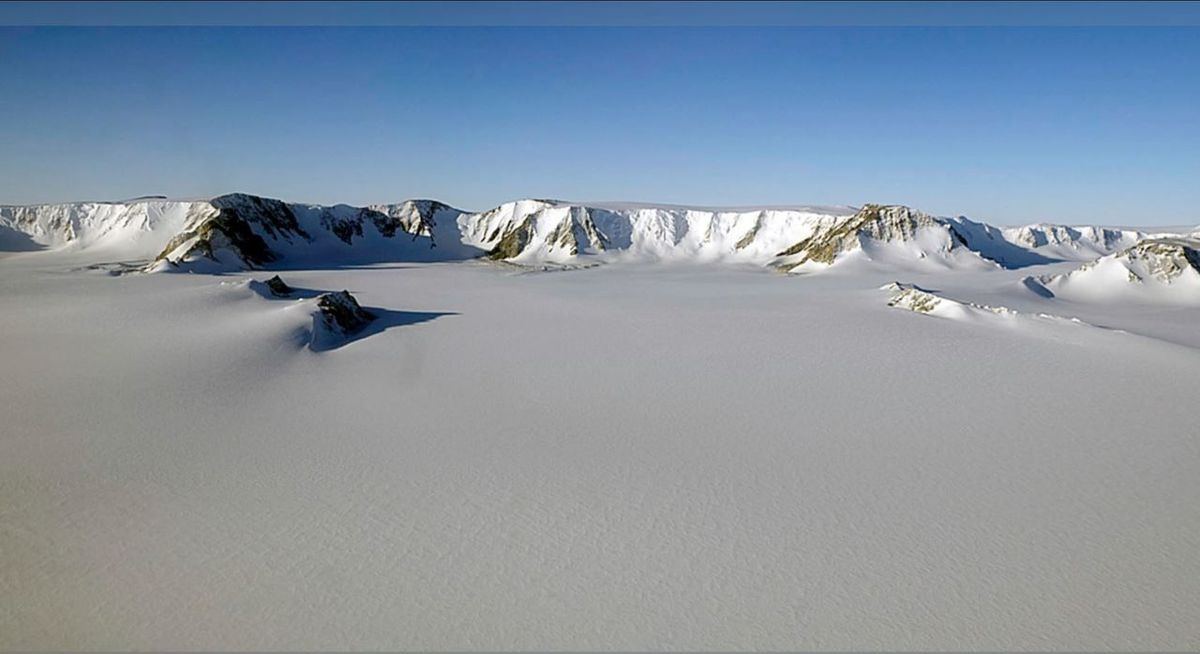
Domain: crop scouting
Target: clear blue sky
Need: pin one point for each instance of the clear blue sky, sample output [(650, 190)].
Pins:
[(1087, 124)]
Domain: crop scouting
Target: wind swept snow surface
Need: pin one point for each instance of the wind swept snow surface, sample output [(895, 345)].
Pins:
[(623, 457), (405, 437), (922, 301)]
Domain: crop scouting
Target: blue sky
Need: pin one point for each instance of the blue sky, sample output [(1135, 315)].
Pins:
[(1085, 124)]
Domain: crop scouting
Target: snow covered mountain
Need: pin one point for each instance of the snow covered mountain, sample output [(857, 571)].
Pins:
[(1160, 269), (239, 231), (530, 231), (896, 235), (792, 239), (138, 227), (1072, 243)]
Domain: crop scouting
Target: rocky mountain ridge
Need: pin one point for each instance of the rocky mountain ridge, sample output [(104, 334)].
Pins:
[(242, 231)]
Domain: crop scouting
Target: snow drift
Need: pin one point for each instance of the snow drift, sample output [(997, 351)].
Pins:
[(913, 298)]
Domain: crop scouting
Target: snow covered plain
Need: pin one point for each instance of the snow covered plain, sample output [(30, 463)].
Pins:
[(636, 456)]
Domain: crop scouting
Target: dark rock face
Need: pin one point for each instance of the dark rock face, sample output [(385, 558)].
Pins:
[(278, 287), (420, 223), (274, 216), (262, 231), (570, 234), (345, 230), (513, 242), (231, 228), (341, 314), (877, 221)]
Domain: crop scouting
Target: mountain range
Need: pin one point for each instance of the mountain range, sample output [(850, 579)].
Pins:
[(240, 231)]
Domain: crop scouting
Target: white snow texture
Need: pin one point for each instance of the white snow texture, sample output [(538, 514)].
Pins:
[(593, 426)]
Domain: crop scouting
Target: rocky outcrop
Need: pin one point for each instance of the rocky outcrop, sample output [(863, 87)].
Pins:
[(240, 224), (913, 298), (340, 315), (514, 242), (548, 233), (919, 300), (278, 288), (1158, 269), (1162, 259), (419, 218), (251, 232), (886, 223)]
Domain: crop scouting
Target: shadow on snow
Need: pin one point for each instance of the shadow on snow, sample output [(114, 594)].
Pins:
[(385, 319)]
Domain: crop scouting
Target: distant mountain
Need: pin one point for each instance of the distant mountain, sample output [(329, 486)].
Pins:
[(240, 231), (1159, 269), (246, 231), (792, 239), (903, 237), (1072, 243)]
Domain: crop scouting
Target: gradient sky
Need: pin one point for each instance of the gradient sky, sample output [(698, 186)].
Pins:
[(1008, 125)]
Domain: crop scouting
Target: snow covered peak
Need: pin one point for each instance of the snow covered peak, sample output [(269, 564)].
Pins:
[(249, 231), (887, 233), (1162, 259), (1159, 269), (530, 231), (1072, 243), (240, 230), (130, 228)]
